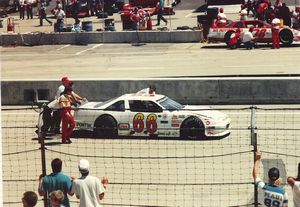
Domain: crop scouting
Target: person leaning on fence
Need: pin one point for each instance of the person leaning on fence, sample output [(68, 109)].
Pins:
[(55, 181), (295, 185), (56, 198), (89, 189), (29, 199), (273, 195)]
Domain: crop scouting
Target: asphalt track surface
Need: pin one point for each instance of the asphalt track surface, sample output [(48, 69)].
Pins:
[(124, 61), (152, 172)]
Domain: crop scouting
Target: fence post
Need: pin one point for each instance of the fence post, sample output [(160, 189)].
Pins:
[(41, 138), (253, 129)]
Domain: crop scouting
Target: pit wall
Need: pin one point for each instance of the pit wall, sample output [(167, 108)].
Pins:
[(186, 91), (101, 37)]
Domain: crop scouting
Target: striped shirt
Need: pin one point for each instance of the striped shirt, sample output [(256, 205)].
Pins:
[(273, 196)]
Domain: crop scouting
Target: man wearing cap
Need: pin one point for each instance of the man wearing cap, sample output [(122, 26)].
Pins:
[(273, 195), (294, 182), (57, 113), (89, 189)]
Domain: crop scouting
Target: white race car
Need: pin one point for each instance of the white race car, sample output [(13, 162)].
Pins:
[(150, 116)]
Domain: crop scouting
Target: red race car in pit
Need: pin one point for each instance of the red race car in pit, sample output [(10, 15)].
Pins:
[(262, 32)]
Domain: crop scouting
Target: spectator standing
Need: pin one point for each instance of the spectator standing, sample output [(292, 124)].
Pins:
[(89, 189), (55, 181), (29, 9), (56, 198), (68, 120), (248, 39), (250, 7), (29, 199), (22, 7), (43, 14), (75, 7), (260, 11), (243, 13), (273, 195), (160, 7), (275, 33), (285, 14), (269, 14)]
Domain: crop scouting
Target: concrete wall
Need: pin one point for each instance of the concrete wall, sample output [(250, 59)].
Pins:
[(187, 91), (101, 37)]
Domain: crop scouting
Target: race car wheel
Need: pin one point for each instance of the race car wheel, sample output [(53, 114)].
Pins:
[(227, 37), (192, 128), (105, 127), (286, 37)]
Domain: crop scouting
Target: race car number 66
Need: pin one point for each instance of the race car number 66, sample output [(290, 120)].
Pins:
[(151, 124)]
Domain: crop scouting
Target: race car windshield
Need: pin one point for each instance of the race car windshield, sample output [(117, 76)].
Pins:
[(103, 103), (170, 104)]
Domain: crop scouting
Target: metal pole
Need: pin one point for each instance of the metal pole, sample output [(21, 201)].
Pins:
[(41, 138), (253, 129)]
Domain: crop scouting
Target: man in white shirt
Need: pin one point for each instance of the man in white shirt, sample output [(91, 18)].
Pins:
[(147, 91), (248, 39), (89, 189), (222, 19), (295, 184)]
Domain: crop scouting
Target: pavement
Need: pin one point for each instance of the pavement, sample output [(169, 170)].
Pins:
[(182, 17)]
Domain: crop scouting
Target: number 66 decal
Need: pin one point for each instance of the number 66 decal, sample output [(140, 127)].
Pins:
[(151, 124)]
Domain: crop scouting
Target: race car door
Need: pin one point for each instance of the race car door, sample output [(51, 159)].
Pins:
[(146, 118)]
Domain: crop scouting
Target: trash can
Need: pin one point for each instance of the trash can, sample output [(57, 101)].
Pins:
[(87, 26), (109, 25)]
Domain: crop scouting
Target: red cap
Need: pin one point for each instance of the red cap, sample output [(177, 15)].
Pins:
[(63, 79)]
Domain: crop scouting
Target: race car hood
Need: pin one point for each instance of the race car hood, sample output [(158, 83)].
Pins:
[(90, 105), (206, 111)]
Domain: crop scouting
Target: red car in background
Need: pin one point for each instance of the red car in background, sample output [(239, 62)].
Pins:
[(262, 32)]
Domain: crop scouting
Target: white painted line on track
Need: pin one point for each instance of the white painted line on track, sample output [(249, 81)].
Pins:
[(63, 47), (78, 53), (250, 66), (190, 14), (135, 68), (19, 113)]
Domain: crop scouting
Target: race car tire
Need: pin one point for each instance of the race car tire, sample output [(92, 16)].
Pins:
[(192, 128), (105, 127), (227, 37), (286, 37)]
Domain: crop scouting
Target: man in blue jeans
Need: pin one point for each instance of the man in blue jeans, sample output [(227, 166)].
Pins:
[(248, 39)]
